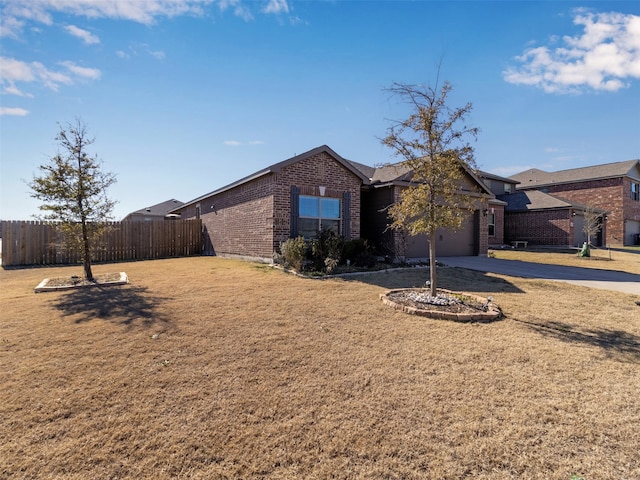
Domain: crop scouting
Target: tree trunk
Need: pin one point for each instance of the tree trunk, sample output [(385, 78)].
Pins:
[(86, 257), (432, 262)]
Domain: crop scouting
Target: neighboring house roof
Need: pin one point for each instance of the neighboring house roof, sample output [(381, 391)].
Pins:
[(492, 176), (279, 166), (528, 200), (535, 178), (158, 210)]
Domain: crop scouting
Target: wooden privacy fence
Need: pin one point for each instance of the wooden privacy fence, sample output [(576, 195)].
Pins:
[(40, 243)]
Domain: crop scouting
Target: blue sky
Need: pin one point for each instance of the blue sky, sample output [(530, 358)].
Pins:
[(186, 96)]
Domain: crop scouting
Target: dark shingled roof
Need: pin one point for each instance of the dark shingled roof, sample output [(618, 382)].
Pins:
[(353, 167), (535, 178), (528, 200), (365, 169), (369, 175), (399, 172), (160, 209), (493, 176)]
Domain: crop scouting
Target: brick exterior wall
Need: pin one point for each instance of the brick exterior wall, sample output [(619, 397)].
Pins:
[(308, 175), (498, 238), (630, 211), (253, 219), (612, 195), (543, 227), (238, 221), (483, 241)]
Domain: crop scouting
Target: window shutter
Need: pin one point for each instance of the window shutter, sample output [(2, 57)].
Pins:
[(346, 215), (295, 212)]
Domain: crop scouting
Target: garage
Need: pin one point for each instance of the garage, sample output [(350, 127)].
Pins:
[(448, 243)]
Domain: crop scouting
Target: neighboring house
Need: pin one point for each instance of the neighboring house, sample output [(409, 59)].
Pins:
[(161, 211), (253, 216), (496, 207), (542, 219), (613, 188)]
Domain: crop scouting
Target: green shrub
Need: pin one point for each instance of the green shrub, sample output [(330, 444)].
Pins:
[(294, 251), (359, 252), (326, 251)]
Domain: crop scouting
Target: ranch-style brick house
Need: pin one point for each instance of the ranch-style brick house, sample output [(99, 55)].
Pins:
[(563, 196), (253, 216)]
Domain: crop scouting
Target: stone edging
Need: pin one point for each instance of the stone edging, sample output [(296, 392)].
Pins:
[(42, 286), (492, 313)]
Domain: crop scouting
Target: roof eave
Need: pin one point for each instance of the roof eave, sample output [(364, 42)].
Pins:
[(275, 168)]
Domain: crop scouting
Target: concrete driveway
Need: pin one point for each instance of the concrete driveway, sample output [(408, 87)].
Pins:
[(587, 277)]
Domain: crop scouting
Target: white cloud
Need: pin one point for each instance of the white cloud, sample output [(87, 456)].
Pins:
[(14, 71), (139, 49), (159, 54), (13, 111), (11, 89), (239, 10), (606, 56), (86, 36), (15, 14), (276, 6), (141, 11), (83, 72)]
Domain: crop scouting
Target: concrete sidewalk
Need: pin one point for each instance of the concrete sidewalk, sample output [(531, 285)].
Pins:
[(587, 277)]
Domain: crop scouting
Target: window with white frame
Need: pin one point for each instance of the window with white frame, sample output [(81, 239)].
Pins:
[(491, 222), (507, 187), (318, 213)]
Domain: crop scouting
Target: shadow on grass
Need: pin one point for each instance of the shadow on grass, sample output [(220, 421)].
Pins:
[(127, 305), (615, 343), (450, 278)]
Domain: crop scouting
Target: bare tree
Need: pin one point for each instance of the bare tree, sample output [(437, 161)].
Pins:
[(592, 223), (73, 189), (433, 144)]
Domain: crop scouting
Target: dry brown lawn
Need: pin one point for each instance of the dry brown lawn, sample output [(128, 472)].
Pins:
[(211, 368), (602, 259)]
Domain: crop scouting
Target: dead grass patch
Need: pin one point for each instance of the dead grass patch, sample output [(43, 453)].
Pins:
[(600, 258), (213, 368)]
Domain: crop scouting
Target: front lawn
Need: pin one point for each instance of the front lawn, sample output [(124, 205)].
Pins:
[(212, 368), (602, 258)]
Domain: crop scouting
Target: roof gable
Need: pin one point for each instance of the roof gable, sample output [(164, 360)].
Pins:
[(322, 149), (535, 178), (401, 174), (275, 168)]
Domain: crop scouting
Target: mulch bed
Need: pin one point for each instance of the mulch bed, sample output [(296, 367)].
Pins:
[(67, 283)]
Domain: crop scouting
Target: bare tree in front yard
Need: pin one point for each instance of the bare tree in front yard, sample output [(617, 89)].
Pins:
[(73, 188), (592, 223)]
